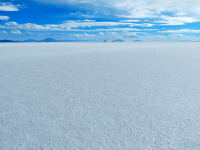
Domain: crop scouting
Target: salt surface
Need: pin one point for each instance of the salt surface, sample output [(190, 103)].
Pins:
[(99, 96)]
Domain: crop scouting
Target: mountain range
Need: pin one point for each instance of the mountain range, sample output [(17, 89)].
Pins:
[(32, 40), (52, 40)]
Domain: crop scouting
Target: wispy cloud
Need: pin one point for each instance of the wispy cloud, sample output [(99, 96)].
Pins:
[(130, 20), (176, 20), (3, 32), (181, 31), (85, 34), (123, 29), (136, 8), (68, 25)]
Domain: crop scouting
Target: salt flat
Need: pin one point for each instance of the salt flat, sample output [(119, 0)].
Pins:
[(108, 96)]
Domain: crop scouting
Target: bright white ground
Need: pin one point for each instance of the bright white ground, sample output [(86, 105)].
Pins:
[(104, 96)]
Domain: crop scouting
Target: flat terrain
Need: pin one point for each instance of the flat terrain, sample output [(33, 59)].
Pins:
[(104, 96)]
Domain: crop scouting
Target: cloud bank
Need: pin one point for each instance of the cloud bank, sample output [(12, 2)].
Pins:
[(138, 8)]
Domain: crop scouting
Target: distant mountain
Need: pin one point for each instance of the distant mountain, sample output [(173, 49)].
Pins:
[(137, 40), (45, 40), (48, 40), (5, 40), (118, 40), (30, 40), (75, 41)]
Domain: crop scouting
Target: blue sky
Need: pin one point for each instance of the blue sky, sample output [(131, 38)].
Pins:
[(98, 20)]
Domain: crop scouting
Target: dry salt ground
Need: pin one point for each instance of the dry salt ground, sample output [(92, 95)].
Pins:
[(100, 96)]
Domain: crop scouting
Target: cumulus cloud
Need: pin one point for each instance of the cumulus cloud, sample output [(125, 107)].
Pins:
[(11, 24), (8, 7), (4, 18), (29, 26), (16, 32)]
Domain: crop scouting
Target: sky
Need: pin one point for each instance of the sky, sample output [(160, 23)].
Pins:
[(99, 20)]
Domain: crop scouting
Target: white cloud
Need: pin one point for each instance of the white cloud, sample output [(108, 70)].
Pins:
[(130, 20), (29, 26), (101, 33), (88, 20), (85, 34), (16, 32), (71, 25), (82, 15), (156, 8), (131, 34), (77, 35), (181, 31), (118, 29), (8, 7), (11, 24), (123, 29), (176, 35), (79, 2), (176, 20), (4, 18), (142, 25), (4, 32), (139, 8), (92, 23)]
